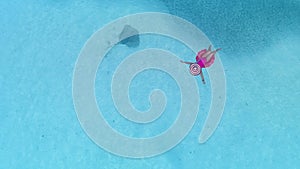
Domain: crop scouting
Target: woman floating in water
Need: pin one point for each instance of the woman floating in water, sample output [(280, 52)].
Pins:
[(204, 59)]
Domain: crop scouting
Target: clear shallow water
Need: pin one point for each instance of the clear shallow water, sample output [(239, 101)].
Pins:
[(40, 42)]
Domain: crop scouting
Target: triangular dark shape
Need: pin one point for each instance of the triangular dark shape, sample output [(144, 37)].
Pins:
[(131, 36)]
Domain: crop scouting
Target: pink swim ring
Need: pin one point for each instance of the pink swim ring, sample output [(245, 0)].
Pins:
[(202, 62)]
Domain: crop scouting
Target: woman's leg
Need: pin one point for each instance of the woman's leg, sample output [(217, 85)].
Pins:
[(209, 48), (210, 55), (208, 51)]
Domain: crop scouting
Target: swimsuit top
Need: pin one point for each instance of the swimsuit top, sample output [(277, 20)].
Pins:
[(201, 62)]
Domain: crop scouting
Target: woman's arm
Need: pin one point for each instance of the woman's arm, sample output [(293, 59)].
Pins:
[(202, 77), (186, 62)]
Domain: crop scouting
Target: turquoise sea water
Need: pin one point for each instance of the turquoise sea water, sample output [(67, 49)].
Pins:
[(40, 42)]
